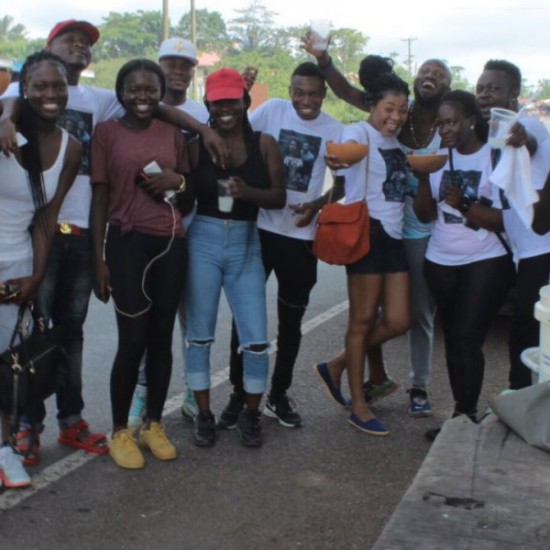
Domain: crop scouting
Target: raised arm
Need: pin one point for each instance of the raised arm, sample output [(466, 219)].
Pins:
[(335, 79)]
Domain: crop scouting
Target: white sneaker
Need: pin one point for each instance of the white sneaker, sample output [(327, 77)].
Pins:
[(12, 471)]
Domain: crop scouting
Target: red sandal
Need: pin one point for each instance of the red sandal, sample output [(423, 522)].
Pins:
[(78, 436), (31, 456)]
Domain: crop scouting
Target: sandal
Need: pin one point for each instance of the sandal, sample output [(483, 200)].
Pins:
[(31, 454), (79, 436)]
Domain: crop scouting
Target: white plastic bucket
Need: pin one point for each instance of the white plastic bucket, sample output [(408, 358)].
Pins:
[(542, 314), (530, 357)]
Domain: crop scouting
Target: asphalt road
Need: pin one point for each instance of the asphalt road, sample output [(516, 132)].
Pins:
[(322, 486)]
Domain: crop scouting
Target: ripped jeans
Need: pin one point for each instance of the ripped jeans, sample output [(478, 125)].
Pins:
[(226, 254)]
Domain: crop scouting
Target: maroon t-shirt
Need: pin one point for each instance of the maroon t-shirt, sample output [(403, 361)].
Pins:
[(118, 155)]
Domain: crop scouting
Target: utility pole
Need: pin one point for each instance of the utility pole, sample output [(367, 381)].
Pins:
[(165, 20), (409, 41), (194, 40)]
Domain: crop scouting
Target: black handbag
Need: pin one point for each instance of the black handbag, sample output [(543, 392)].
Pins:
[(32, 368)]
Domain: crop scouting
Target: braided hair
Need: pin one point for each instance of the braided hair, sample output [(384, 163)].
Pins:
[(27, 125)]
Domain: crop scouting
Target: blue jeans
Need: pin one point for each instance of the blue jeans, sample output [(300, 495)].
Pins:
[(423, 308), (226, 254), (63, 298)]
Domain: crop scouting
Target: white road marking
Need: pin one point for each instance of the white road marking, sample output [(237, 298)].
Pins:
[(58, 470)]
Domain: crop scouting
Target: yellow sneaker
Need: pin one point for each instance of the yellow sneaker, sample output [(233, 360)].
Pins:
[(124, 450), (154, 439)]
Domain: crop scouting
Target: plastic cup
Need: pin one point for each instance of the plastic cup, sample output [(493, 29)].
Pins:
[(225, 200), (320, 31), (499, 127)]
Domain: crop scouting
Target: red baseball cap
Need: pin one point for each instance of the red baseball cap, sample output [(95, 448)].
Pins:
[(87, 28), (225, 84)]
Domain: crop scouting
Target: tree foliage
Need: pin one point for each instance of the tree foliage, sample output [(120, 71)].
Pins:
[(129, 34), (253, 28), (211, 30)]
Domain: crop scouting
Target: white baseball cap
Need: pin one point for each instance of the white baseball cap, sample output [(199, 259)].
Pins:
[(178, 47)]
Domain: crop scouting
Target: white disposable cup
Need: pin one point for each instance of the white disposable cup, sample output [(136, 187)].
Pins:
[(225, 200), (320, 31), (500, 123)]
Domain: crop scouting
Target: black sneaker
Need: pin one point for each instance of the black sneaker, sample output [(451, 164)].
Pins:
[(204, 429), (249, 428), (281, 409), (230, 415)]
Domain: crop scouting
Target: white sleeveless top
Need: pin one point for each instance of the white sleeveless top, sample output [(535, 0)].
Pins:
[(16, 205)]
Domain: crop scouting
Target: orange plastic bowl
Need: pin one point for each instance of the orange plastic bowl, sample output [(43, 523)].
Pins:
[(426, 164), (348, 152)]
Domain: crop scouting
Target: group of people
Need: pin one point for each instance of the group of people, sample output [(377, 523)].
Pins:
[(136, 216)]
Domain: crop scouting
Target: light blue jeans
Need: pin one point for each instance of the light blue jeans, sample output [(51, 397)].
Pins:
[(423, 308), (226, 254)]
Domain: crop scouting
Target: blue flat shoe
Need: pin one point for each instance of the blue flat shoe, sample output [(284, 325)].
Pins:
[(372, 426), (321, 369)]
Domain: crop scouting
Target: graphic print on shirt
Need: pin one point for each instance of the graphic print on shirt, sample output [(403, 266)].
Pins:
[(80, 125), (467, 180), (299, 152), (395, 185)]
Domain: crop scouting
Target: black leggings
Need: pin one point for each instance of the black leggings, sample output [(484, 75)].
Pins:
[(127, 256), (468, 298)]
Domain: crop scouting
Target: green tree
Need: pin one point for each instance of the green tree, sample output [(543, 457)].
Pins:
[(129, 35), (211, 30), (347, 48), (542, 90), (253, 27), (9, 31)]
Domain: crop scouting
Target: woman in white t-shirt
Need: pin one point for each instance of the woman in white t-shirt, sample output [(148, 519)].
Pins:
[(378, 284), (467, 268)]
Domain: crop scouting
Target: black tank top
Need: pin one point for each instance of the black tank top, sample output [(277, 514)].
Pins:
[(253, 171)]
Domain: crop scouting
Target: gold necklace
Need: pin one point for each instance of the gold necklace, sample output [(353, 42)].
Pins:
[(411, 127)]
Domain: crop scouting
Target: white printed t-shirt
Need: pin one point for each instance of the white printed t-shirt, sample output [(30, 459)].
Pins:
[(302, 144), (524, 241), (387, 178), (86, 107), (452, 242)]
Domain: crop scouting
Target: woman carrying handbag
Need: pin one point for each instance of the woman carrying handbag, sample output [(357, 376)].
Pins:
[(379, 280), (35, 179)]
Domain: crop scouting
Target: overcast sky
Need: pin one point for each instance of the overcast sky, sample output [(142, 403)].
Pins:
[(463, 32)]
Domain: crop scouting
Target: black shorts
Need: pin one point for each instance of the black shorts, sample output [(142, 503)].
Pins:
[(386, 255)]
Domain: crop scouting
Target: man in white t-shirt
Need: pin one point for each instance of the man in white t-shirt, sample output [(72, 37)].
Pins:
[(499, 85), (178, 59), (301, 130)]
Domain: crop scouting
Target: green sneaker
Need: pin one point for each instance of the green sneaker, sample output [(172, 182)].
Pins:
[(375, 392)]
